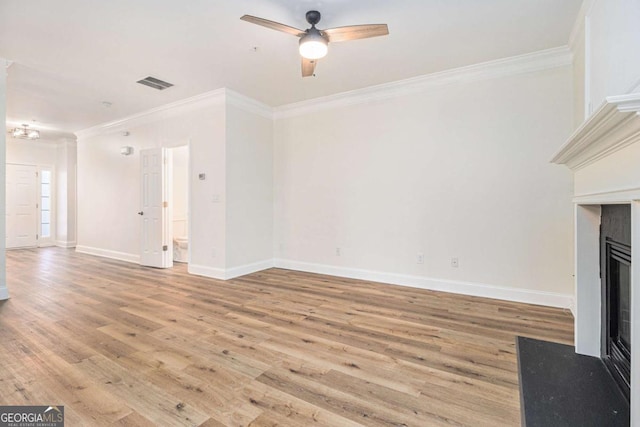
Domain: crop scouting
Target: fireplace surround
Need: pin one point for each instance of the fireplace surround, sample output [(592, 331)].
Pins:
[(615, 272), (604, 156)]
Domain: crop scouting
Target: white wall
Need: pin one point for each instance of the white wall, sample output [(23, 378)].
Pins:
[(611, 65), (578, 50), (249, 192), (4, 293), (39, 153), (458, 171), (109, 183), (65, 181), (230, 142)]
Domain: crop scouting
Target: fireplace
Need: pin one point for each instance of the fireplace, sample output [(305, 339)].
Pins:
[(603, 155), (615, 267)]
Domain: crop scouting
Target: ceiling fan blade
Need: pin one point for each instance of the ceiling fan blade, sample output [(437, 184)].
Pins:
[(273, 25), (355, 32), (308, 67)]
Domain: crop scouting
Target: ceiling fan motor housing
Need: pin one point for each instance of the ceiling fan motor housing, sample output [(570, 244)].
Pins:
[(313, 45), (313, 17)]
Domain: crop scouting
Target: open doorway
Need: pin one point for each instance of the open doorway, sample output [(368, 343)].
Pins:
[(164, 214), (179, 203)]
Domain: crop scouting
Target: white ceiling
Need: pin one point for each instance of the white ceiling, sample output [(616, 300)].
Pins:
[(71, 55)]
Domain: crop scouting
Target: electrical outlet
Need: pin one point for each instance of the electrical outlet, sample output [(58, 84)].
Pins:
[(338, 252), (454, 262), (420, 258)]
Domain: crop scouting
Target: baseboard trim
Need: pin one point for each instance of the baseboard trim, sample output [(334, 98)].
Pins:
[(106, 253), (65, 244), (4, 293), (242, 270), (203, 270), (229, 273), (528, 296)]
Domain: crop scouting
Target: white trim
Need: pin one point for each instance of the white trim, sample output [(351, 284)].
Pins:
[(608, 197), (206, 99), (66, 244), (536, 61), (203, 270), (242, 270), (249, 105), (528, 296), (4, 293), (614, 126), (573, 308), (229, 273), (106, 253)]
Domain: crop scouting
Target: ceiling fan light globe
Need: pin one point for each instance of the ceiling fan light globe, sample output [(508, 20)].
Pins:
[(313, 46), (18, 132)]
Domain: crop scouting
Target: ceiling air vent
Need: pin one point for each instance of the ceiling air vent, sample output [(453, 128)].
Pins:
[(155, 83)]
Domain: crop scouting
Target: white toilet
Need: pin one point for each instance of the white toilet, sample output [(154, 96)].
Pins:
[(180, 249)]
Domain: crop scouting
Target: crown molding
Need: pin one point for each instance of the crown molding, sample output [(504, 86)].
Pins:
[(536, 61), (613, 127), (215, 97), (249, 105)]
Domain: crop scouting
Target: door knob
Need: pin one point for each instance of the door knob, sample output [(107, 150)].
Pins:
[(140, 213)]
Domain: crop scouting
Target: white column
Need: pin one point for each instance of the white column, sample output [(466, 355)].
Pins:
[(4, 64)]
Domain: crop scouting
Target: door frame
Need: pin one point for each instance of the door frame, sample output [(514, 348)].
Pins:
[(167, 191), (169, 183)]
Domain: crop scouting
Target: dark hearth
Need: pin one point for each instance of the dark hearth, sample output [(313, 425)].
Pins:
[(561, 388)]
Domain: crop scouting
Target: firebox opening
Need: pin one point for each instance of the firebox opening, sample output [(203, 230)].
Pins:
[(615, 237)]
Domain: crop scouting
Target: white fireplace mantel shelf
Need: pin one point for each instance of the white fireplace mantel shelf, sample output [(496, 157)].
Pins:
[(613, 127)]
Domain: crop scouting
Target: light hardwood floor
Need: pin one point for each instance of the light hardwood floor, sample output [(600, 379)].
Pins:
[(116, 343)]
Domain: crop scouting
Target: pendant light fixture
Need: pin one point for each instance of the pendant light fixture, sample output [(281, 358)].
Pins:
[(25, 133)]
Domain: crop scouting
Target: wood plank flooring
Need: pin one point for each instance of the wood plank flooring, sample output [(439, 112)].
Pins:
[(119, 344)]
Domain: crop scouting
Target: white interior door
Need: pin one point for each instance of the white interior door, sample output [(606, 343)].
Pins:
[(155, 245), (22, 206)]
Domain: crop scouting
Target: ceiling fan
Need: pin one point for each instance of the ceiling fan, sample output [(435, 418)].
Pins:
[(314, 42)]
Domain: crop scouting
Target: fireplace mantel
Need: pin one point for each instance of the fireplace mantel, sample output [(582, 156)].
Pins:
[(613, 127)]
